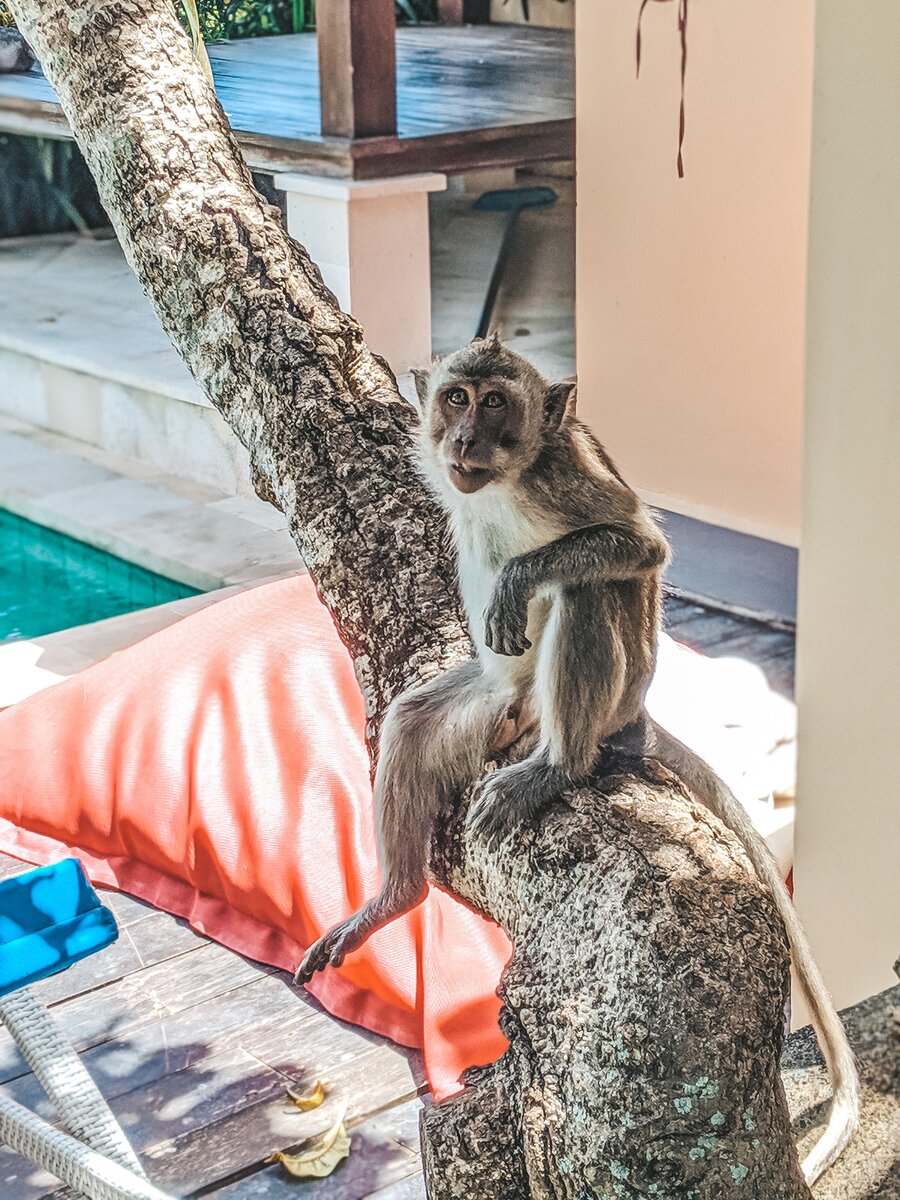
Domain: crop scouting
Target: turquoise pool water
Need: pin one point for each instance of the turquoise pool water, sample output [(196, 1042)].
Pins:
[(49, 581)]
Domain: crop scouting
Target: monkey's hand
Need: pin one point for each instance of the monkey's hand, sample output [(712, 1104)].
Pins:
[(506, 618)]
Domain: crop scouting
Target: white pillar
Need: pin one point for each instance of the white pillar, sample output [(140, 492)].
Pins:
[(370, 240), (847, 849)]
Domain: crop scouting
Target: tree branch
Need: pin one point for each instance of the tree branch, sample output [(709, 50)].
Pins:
[(643, 1002), (261, 333)]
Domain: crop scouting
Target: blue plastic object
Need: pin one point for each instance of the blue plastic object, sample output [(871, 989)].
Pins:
[(49, 918)]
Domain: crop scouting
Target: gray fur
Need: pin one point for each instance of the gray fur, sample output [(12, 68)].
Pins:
[(559, 565)]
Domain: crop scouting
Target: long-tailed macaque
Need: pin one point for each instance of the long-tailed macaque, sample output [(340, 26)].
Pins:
[(559, 567)]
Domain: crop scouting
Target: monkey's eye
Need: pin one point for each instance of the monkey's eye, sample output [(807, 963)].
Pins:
[(458, 397), (494, 400)]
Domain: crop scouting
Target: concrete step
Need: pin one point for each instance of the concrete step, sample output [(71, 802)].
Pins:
[(82, 355), (179, 528)]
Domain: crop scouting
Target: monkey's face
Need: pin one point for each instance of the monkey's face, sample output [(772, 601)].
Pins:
[(484, 413), (478, 429)]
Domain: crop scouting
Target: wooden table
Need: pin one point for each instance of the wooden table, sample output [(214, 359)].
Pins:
[(468, 97)]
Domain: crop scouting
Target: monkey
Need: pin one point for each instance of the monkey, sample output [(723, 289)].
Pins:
[(560, 566), (15, 53)]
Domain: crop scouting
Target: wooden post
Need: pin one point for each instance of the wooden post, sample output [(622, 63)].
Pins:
[(464, 12), (357, 67)]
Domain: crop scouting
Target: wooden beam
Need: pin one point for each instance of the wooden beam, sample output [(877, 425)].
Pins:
[(464, 12), (470, 150), (357, 67)]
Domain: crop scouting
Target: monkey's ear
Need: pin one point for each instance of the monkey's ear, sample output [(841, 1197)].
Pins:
[(559, 403), (420, 378), (490, 342)]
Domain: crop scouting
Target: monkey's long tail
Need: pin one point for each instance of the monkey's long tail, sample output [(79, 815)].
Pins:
[(843, 1119)]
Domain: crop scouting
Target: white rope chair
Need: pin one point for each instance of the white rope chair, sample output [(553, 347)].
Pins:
[(52, 918)]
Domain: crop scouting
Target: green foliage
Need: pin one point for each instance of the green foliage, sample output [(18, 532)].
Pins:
[(223, 20)]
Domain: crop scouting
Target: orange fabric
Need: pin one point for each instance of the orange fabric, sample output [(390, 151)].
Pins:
[(218, 770)]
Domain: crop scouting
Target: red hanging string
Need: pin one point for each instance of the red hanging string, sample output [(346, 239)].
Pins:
[(682, 32)]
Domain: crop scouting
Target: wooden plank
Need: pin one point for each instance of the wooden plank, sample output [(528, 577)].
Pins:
[(465, 150), (755, 644), (126, 909), (121, 1007), (467, 97), (10, 866), (153, 1046), (174, 1075), (706, 631), (720, 634), (384, 1150), (779, 671), (155, 939), (678, 610), (357, 67), (210, 1126), (773, 657), (189, 1096), (411, 1188), (463, 12), (238, 1144), (222, 1115)]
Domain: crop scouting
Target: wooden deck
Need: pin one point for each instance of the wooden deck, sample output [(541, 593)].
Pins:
[(719, 635), (477, 96), (194, 1045)]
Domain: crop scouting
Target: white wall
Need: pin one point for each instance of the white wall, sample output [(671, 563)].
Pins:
[(691, 292), (847, 868)]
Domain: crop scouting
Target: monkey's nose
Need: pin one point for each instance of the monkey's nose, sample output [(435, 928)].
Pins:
[(466, 444)]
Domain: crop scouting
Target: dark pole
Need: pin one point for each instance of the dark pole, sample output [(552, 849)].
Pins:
[(357, 67)]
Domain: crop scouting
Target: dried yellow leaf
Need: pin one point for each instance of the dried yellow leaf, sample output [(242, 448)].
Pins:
[(321, 1159), (308, 1103)]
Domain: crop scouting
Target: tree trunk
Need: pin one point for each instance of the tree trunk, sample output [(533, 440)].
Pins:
[(644, 1000)]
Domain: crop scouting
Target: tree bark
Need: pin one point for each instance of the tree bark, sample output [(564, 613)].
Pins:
[(644, 1000)]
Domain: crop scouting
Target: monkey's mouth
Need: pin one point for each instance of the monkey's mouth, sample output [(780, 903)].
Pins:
[(469, 479)]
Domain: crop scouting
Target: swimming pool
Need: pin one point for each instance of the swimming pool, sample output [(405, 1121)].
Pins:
[(49, 581)]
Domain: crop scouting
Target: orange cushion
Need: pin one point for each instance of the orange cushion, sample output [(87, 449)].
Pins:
[(218, 770)]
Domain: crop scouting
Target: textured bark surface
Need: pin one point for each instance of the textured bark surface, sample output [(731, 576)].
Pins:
[(643, 1004), (644, 1000)]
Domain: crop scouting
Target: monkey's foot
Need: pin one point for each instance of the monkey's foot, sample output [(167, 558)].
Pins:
[(333, 947), (511, 795)]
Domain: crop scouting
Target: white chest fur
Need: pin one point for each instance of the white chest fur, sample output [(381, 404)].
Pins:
[(489, 530)]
